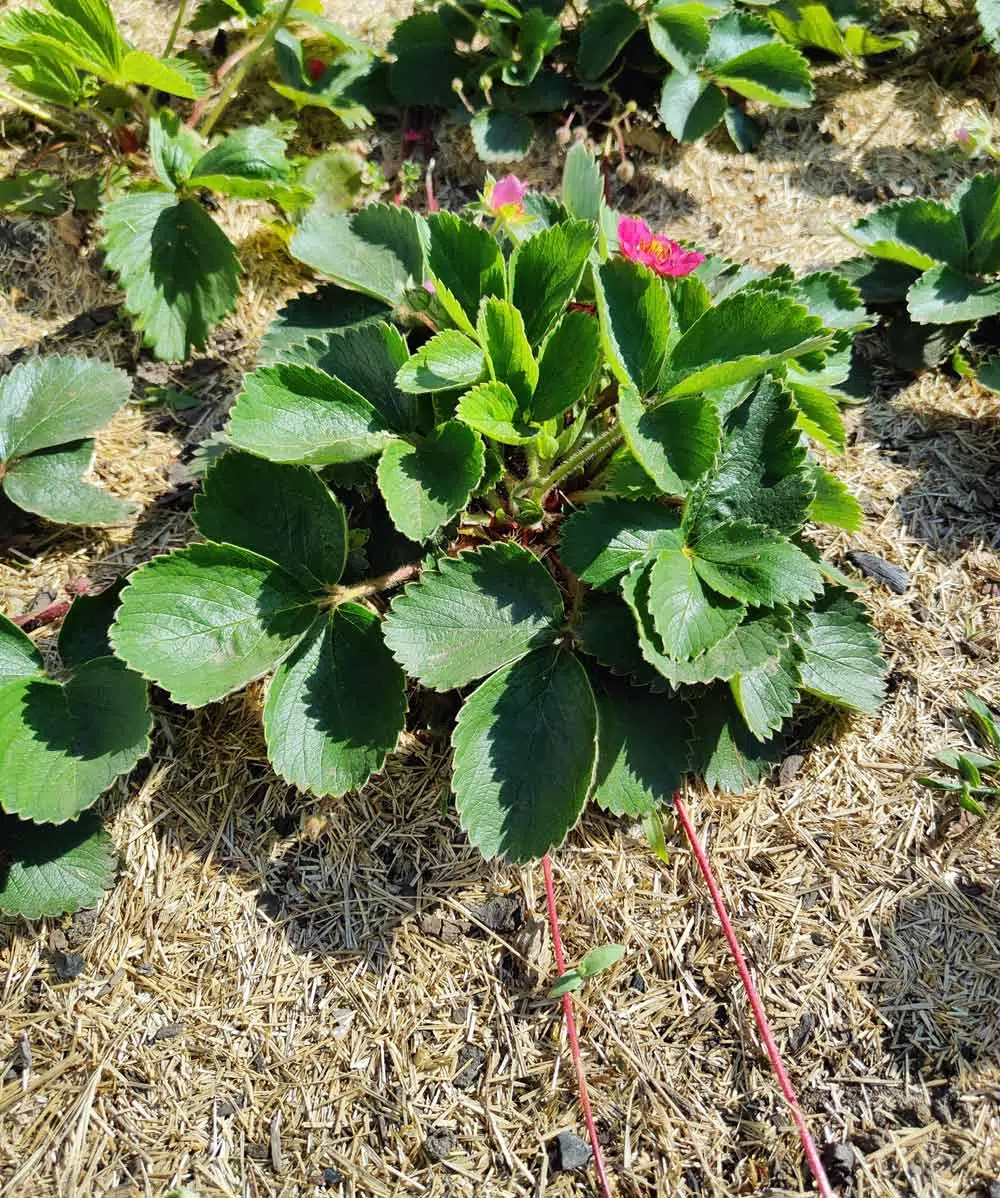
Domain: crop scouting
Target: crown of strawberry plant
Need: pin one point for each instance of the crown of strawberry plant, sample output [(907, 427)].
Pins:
[(62, 744), (599, 471), (49, 407), (933, 268)]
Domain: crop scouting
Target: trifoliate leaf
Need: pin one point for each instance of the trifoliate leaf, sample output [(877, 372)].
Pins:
[(545, 272), (919, 233), (582, 184), (493, 410), (568, 359), (204, 621), (606, 30), (378, 251), (18, 656), (500, 135), (84, 633), (767, 695), (642, 752), (470, 615), (508, 354), (690, 106), (687, 617), (297, 414), (179, 271), (450, 359), (50, 400), (55, 870), (755, 565), (336, 707), (50, 484), (725, 753), (635, 321), (466, 261), (284, 513), (943, 295), (676, 442), (426, 485), (63, 744), (604, 540), (525, 746), (833, 503), (841, 661)]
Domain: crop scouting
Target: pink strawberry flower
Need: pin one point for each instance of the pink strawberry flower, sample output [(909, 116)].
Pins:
[(639, 243), (506, 196)]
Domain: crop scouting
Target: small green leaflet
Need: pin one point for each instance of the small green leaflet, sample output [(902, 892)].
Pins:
[(83, 636), (688, 618), (634, 311), (841, 662), (494, 410), (604, 540), (724, 752), (502, 335), (18, 656), (568, 360), (50, 483), (55, 870), (753, 565), (450, 359), (545, 272), (467, 262), (768, 694), (427, 484), (676, 441)]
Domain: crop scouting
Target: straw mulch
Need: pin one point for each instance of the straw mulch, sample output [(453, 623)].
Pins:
[(289, 997)]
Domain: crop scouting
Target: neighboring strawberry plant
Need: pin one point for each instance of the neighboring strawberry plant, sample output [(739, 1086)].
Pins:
[(607, 511), (842, 28), (49, 408), (969, 785), (62, 744), (933, 268)]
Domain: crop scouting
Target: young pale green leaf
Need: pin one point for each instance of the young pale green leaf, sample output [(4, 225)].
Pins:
[(679, 32), (606, 630), (55, 870), (378, 251), (918, 233), (582, 184), (426, 485), (50, 484), (600, 958), (978, 204), (51, 400), (725, 753), (284, 513), (84, 633), (470, 615), (500, 135), (176, 76), (943, 295), (179, 271), (32, 33), (818, 415), (566, 983), (740, 338), (450, 359), (833, 503), (984, 718), (545, 272), (525, 746), (173, 147), (767, 696), (688, 618), (841, 661), (493, 410), (18, 656), (775, 74), (508, 353), (567, 362), (690, 106), (205, 620), (755, 565), (604, 540), (606, 30), (336, 707), (676, 442), (642, 750), (634, 310), (297, 414), (466, 261), (63, 744)]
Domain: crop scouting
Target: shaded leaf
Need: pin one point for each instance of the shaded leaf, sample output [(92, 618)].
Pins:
[(55, 871), (426, 485)]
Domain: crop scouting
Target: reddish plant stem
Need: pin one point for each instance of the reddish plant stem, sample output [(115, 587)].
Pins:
[(48, 615), (574, 1043), (759, 1014)]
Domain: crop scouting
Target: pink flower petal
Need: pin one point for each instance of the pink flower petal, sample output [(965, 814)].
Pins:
[(508, 191)]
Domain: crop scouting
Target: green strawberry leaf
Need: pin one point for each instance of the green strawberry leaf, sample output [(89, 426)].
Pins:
[(755, 565), (336, 706), (296, 414), (725, 753), (943, 295), (767, 695), (50, 484), (833, 503), (502, 334), (690, 106), (302, 328), (51, 400), (676, 442), (775, 74), (249, 164), (606, 629), (426, 61), (173, 147), (688, 618), (448, 360), (176, 76), (833, 299), (284, 513), (18, 656), (426, 485), (525, 745), (680, 33), (606, 30), (568, 360), (978, 204), (919, 233), (582, 184), (545, 272), (63, 744), (604, 540), (538, 33), (841, 661), (179, 271), (470, 615), (204, 621), (818, 415), (466, 262), (55, 871), (500, 135), (737, 32), (493, 410), (84, 633), (634, 310)]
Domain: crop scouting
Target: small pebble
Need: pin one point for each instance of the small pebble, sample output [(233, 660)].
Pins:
[(69, 966), (332, 1177), (839, 1161), (570, 1152), (637, 982), (440, 1143)]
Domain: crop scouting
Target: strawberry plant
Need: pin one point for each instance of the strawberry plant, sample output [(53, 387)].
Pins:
[(63, 741), (592, 445), (49, 409), (968, 767), (933, 268)]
